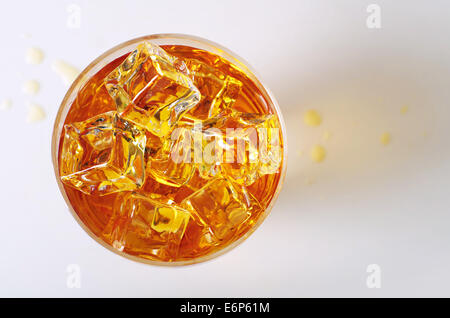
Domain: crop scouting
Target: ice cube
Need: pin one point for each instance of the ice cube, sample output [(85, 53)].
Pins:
[(172, 164), (193, 146), (218, 91), (146, 227), (263, 153), (243, 146), (198, 239), (103, 155), (223, 206), (225, 98), (152, 89)]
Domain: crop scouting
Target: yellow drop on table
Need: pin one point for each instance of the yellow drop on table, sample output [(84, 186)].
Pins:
[(404, 110), (385, 138), (318, 153), (312, 118)]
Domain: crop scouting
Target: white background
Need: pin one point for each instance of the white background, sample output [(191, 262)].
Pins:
[(365, 204)]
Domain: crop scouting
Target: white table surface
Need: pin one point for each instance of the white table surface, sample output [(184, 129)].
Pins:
[(365, 204)]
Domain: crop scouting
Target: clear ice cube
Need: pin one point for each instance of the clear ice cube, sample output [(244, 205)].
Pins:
[(152, 89), (262, 153), (223, 206), (172, 163), (147, 227), (103, 155), (218, 91), (242, 146)]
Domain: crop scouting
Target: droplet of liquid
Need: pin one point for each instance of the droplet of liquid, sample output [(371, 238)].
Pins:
[(5, 104), (312, 118), (34, 55), (326, 135), (31, 87), (35, 113), (385, 138), (67, 72), (404, 110), (318, 153)]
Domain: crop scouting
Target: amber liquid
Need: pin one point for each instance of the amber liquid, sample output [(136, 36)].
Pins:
[(96, 211)]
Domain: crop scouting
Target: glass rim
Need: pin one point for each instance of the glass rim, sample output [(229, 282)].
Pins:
[(164, 39)]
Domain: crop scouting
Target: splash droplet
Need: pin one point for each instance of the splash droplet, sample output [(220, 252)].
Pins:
[(312, 118), (31, 87), (404, 110), (67, 72), (35, 113), (34, 55), (385, 138), (318, 153), (5, 104)]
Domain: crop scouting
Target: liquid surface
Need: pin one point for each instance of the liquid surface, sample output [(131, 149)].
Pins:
[(115, 154)]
